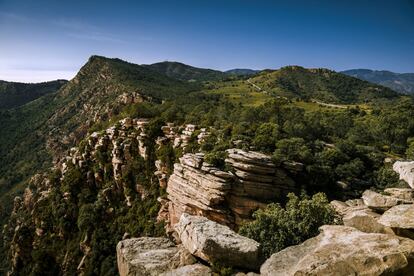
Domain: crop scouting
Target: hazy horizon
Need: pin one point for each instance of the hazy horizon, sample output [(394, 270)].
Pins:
[(46, 40)]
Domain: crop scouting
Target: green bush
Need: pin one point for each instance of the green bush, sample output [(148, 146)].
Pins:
[(385, 177), (410, 150), (276, 228), (216, 158)]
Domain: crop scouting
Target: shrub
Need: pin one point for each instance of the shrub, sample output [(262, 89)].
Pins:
[(410, 150), (216, 158), (276, 228), (385, 177)]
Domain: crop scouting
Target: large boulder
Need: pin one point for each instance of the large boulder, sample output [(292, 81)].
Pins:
[(406, 171), (342, 250), (150, 256), (214, 242), (401, 219), (379, 202)]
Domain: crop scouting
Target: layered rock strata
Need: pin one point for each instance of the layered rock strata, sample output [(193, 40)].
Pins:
[(229, 198)]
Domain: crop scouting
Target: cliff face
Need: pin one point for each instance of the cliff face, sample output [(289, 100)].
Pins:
[(70, 219), (228, 197)]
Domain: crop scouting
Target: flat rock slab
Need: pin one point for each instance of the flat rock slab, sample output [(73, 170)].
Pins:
[(214, 242), (250, 157), (150, 256), (190, 270), (402, 193), (379, 202), (342, 251), (257, 169)]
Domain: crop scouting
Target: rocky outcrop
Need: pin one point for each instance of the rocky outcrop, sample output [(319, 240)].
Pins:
[(257, 176), (366, 214), (342, 250), (405, 171), (150, 256), (230, 198), (198, 190), (401, 219), (214, 242), (356, 214)]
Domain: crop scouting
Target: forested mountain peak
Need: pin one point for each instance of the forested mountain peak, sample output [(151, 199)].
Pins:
[(186, 72), (321, 84)]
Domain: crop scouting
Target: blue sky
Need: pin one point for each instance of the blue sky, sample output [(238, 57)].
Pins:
[(44, 40)]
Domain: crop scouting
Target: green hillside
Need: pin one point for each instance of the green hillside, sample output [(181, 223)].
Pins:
[(320, 84)]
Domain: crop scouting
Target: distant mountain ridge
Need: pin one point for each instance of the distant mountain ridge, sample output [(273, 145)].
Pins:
[(15, 94), (321, 84), (400, 82), (186, 72), (242, 71)]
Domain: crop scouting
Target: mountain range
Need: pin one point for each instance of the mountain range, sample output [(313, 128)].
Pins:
[(403, 83)]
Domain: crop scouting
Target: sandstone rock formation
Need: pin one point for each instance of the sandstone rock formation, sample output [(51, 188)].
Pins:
[(190, 270), (150, 256), (194, 190), (366, 221), (406, 171), (214, 242), (365, 214), (198, 188), (342, 250)]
